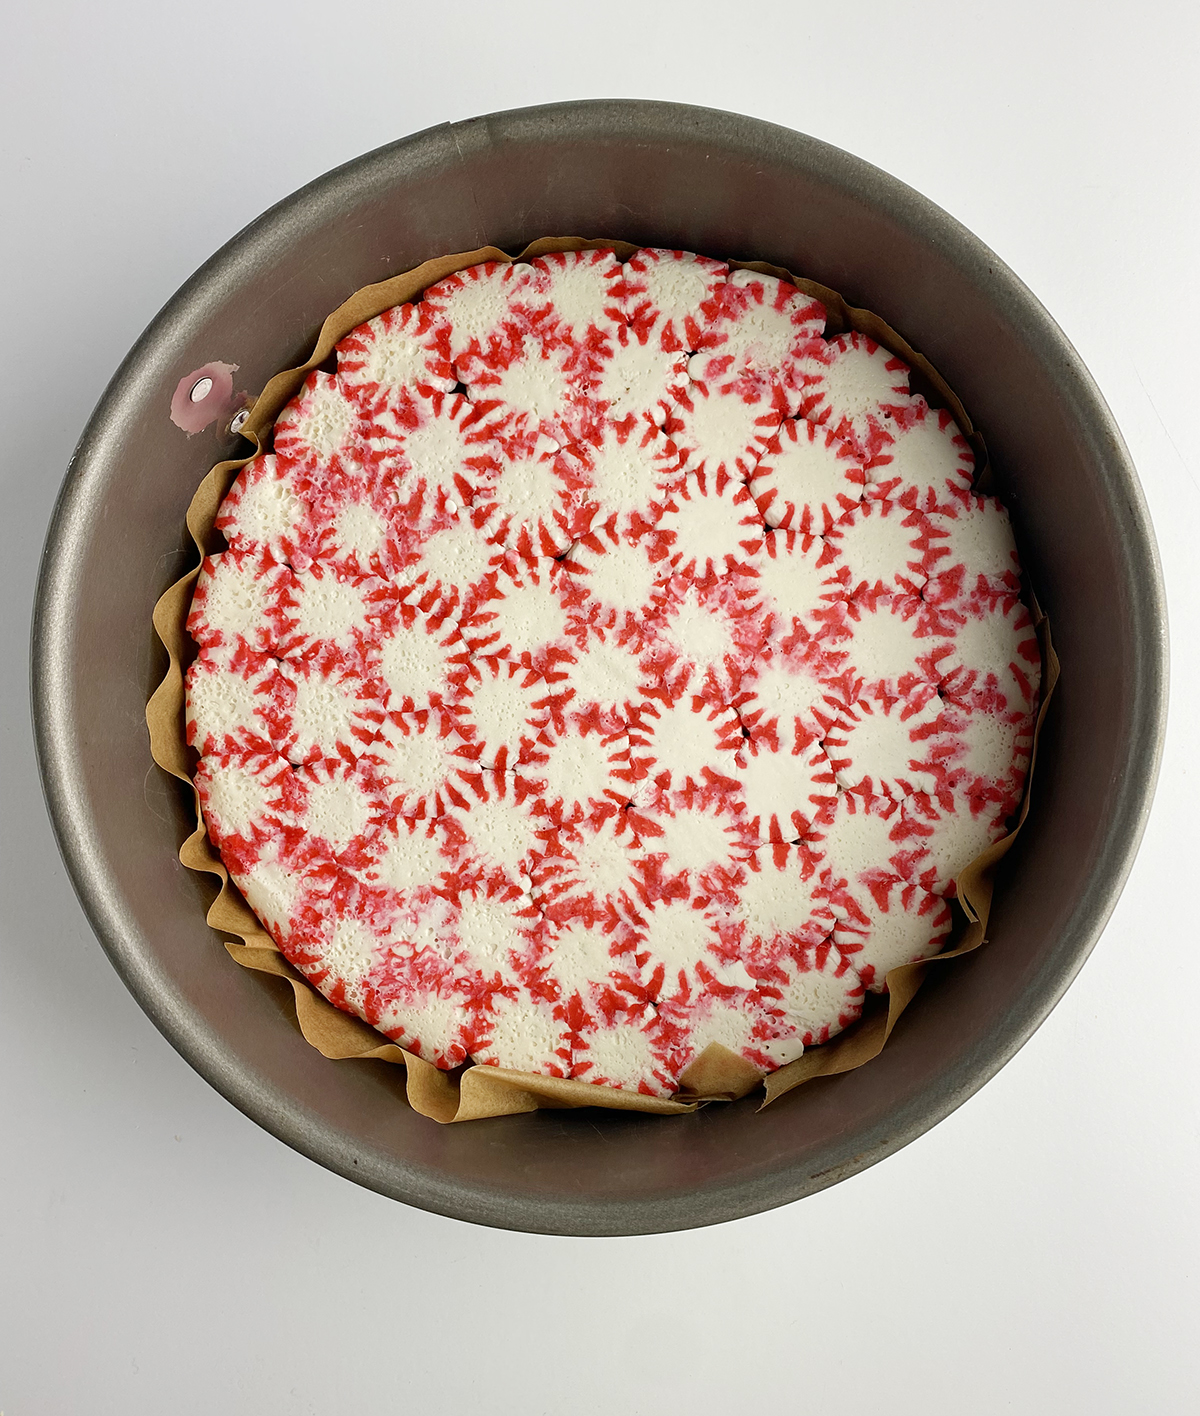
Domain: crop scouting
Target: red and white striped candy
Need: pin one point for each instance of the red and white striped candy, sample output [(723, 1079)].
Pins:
[(604, 665)]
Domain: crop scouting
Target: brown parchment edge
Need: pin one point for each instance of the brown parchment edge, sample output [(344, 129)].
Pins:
[(474, 1092)]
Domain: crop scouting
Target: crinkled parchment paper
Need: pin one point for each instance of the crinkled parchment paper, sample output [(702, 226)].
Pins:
[(476, 1091)]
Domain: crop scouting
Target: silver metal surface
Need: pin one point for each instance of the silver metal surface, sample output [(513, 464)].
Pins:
[(657, 174)]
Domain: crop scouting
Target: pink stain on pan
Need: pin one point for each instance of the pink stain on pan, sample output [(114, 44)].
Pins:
[(203, 396)]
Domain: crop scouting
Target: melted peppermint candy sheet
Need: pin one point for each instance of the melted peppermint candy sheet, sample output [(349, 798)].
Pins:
[(604, 664)]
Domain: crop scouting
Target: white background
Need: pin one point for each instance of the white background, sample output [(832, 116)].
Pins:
[(1037, 1252)]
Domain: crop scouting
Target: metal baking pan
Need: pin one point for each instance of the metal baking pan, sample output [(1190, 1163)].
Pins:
[(656, 174)]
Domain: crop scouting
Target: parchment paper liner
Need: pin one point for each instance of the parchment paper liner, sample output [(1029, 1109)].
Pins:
[(477, 1091)]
